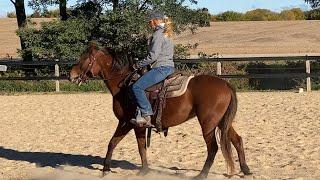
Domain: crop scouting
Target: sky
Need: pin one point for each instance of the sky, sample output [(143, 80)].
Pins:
[(214, 6)]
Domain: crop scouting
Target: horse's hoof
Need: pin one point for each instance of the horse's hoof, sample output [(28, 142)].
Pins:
[(106, 171), (143, 172), (245, 169), (200, 177)]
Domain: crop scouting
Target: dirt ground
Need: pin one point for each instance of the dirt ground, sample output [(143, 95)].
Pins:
[(9, 41), (258, 37), (64, 136), (225, 38)]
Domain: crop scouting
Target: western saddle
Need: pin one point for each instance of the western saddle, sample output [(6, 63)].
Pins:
[(174, 85)]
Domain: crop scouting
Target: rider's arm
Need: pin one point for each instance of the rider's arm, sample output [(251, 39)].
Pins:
[(155, 49)]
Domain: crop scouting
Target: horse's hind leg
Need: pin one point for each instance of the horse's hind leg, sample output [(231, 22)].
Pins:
[(121, 131), (238, 144), (208, 126)]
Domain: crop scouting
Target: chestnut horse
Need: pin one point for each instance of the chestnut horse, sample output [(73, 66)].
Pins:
[(209, 98)]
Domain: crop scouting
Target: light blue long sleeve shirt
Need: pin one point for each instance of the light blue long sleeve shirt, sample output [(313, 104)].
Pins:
[(161, 51)]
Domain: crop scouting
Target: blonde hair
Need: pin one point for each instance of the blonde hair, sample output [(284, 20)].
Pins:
[(168, 31)]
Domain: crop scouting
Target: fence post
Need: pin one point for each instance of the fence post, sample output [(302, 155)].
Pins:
[(308, 70), (3, 68), (218, 68), (57, 74)]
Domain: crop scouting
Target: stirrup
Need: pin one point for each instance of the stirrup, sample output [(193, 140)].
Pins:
[(142, 122), (148, 123)]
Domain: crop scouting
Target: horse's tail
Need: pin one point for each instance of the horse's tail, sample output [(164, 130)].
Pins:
[(224, 127)]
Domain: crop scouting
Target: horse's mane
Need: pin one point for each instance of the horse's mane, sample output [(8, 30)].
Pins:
[(121, 59)]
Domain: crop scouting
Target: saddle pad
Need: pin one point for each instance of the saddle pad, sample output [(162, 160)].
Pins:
[(177, 86)]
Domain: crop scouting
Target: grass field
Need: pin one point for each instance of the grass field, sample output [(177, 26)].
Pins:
[(9, 41), (259, 37), (274, 37)]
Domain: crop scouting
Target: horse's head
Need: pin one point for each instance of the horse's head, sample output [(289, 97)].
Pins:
[(91, 64)]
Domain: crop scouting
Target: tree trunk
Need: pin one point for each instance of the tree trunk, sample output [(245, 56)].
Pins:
[(20, 13), (63, 10), (115, 5), (22, 20)]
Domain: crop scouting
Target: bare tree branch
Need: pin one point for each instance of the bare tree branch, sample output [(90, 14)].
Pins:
[(313, 3), (13, 2)]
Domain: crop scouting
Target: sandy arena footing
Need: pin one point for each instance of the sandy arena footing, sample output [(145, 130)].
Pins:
[(63, 136)]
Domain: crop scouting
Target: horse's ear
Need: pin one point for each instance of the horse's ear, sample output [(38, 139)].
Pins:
[(92, 47)]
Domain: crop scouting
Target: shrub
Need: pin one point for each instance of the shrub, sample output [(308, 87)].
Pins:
[(292, 14), (298, 13), (46, 14), (35, 14), (27, 86), (261, 15), (11, 14), (276, 68), (313, 14), (213, 18), (316, 86), (287, 15), (240, 84), (93, 85), (49, 86), (229, 16), (51, 13), (183, 51)]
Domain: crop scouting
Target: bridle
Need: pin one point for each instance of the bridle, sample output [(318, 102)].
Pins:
[(83, 78)]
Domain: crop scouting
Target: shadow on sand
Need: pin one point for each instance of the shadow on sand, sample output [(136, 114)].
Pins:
[(55, 160), (43, 159)]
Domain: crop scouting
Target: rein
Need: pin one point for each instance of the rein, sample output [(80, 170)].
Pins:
[(83, 76)]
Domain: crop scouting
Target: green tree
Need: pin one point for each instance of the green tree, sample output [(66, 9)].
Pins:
[(121, 27), (287, 15), (313, 14), (261, 15), (314, 3), (204, 17), (57, 39), (298, 14), (229, 16)]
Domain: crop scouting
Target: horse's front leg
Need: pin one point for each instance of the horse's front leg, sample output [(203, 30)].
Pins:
[(121, 131), (141, 139)]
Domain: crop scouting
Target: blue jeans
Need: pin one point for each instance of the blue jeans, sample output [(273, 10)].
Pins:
[(152, 77)]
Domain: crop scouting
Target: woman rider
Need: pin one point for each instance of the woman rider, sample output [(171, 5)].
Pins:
[(160, 57)]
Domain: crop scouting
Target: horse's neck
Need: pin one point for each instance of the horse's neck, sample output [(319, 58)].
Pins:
[(115, 79)]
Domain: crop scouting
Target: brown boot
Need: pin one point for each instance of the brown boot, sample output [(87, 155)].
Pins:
[(148, 123), (142, 121)]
